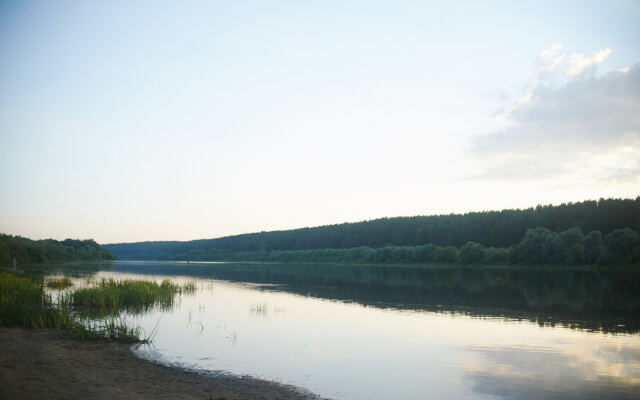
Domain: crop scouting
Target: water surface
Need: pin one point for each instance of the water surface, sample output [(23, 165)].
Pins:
[(357, 332)]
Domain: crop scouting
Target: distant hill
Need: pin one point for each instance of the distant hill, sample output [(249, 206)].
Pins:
[(29, 251), (489, 228)]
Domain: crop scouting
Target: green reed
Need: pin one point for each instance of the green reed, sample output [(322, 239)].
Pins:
[(59, 283), (24, 303), (109, 293)]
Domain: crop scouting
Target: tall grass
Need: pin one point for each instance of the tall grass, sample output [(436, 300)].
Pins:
[(59, 283), (24, 303), (111, 329), (109, 293), (189, 287)]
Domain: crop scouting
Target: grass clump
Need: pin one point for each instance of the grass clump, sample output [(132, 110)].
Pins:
[(59, 283), (261, 309), (24, 303), (111, 330), (86, 313), (189, 287), (109, 293)]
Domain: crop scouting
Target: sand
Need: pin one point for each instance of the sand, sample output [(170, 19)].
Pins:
[(45, 364)]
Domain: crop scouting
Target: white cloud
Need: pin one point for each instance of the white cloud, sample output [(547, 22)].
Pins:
[(550, 59), (579, 62), (586, 130)]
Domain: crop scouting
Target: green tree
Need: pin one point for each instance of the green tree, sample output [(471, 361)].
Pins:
[(470, 253), (446, 254), (534, 247), (592, 247), (497, 256), (620, 246)]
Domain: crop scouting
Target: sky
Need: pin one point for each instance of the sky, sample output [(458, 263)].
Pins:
[(129, 121)]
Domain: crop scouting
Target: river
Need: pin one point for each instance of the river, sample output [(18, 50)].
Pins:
[(382, 332)]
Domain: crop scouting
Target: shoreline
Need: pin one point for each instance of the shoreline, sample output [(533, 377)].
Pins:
[(416, 265), (46, 364)]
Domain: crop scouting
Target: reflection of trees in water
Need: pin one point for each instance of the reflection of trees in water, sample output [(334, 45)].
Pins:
[(592, 299), (77, 269)]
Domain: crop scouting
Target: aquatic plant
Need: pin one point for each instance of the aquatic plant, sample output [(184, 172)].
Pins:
[(87, 313), (109, 293), (59, 283), (24, 303), (189, 287), (112, 329), (260, 309)]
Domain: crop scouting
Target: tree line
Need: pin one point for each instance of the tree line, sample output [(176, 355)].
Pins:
[(27, 251), (490, 229), (538, 246)]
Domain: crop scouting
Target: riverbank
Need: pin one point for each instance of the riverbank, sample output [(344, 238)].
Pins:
[(46, 364)]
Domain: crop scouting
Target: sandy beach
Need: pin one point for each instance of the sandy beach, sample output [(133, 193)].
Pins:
[(45, 364)]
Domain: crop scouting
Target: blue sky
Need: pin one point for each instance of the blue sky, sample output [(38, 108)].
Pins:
[(129, 121)]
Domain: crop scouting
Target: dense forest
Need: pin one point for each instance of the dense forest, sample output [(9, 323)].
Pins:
[(603, 231), (539, 246), (27, 251)]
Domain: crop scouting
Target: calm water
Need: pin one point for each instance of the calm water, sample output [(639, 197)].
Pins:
[(354, 332)]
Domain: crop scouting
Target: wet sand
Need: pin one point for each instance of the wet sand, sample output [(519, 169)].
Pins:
[(45, 364)]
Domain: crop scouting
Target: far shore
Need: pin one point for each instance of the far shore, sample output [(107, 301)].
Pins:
[(46, 364)]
